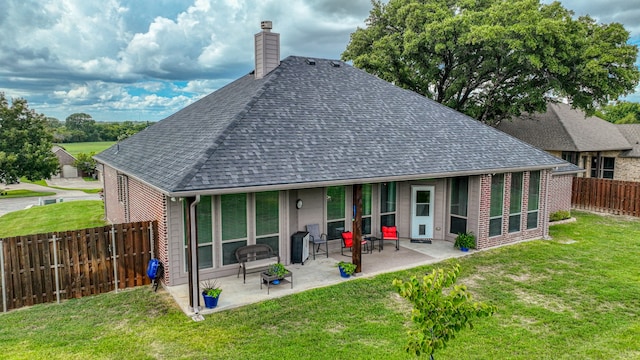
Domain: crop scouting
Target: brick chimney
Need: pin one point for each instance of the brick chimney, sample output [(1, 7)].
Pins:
[(267, 50)]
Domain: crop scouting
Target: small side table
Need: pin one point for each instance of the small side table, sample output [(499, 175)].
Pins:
[(372, 241), (269, 278)]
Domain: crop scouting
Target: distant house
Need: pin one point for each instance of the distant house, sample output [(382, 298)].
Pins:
[(603, 149), (66, 160), (229, 169)]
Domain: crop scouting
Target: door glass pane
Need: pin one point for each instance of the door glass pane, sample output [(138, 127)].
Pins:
[(422, 209), (423, 197)]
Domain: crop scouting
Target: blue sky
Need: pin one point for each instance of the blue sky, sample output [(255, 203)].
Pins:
[(145, 59)]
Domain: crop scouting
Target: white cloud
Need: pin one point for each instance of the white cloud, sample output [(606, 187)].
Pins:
[(128, 59)]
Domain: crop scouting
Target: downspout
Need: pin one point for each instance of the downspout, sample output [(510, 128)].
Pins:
[(545, 228), (193, 258)]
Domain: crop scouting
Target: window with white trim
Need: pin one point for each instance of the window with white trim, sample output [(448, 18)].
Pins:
[(496, 205), (533, 207), (515, 203)]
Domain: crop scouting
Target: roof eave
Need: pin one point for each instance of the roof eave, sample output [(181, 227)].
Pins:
[(305, 185), (125, 172)]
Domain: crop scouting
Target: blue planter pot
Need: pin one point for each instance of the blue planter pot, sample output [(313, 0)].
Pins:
[(209, 301), (342, 273), (462, 248), (275, 282)]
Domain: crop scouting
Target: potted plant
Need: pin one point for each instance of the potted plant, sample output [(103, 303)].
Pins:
[(346, 269), (278, 270), (465, 241), (211, 293)]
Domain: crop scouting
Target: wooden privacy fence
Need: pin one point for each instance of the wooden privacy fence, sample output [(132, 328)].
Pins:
[(613, 196), (50, 267)]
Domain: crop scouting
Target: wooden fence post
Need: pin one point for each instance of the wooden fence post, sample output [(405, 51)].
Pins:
[(4, 286), (55, 264), (114, 258)]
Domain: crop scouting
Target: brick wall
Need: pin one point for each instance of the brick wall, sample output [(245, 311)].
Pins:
[(560, 193), (627, 169), (142, 203), (114, 210)]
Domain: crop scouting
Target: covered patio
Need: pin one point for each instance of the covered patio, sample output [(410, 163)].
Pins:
[(319, 273)]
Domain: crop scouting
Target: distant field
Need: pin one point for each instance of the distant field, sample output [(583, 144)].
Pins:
[(87, 147)]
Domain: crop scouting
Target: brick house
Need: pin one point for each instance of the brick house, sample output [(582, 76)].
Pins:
[(229, 169), (602, 149)]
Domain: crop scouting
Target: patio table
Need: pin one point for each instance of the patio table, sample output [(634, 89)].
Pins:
[(372, 243), (269, 278)]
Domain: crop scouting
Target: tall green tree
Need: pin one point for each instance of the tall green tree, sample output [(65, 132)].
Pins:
[(493, 59), (623, 112), (82, 127), (25, 143), (86, 163)]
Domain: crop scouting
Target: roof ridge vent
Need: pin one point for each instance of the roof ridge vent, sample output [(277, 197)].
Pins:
[(335, 63), (310, 61)]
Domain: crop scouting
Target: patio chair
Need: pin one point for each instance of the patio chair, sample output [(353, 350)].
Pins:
[(390, 233), (347, 242), (317, 239)]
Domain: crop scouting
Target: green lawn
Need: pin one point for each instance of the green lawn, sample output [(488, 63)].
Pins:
[(8, 194), (574, 297), (86, 147), (55, 217)]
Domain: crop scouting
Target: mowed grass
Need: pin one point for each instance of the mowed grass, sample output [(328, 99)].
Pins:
[(8, 194), (574, 297), (86, 147), (64, 216)]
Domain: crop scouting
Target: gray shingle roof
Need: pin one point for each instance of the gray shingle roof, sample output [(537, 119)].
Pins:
[(304, 124), (632, 133), (562, 128)]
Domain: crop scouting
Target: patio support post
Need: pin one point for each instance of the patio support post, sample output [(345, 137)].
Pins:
[(192, 246), (357, 227)]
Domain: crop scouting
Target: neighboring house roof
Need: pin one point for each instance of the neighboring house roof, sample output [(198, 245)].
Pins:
[(562, 128), (306, 124), (632, 133), (64, 157)]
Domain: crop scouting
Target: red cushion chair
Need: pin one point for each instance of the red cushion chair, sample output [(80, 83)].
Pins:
[(391, 233), (347, 242)]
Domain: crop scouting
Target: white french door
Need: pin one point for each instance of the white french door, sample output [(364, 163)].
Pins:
[(422, 200)]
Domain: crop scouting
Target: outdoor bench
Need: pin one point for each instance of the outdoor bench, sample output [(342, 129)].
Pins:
[(255, 258)]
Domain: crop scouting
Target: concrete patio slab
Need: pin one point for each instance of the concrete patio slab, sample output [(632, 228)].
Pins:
[(320, 272)]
